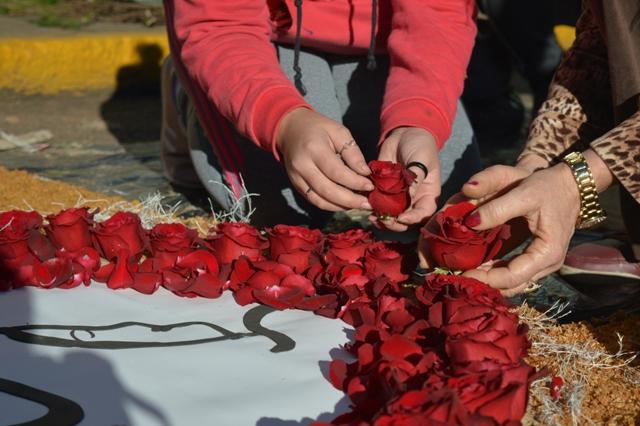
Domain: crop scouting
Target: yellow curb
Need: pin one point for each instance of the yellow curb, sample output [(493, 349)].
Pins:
[(565, 35), (51, 65)]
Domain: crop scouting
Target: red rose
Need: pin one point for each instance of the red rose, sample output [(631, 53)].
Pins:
[(477, 328), (168, 241), (295, 246), (122, 231), (20, 237), (69, 229), (386, 259), (232, 240), (391, 194), (270, 283), (499, 394), (449, 243), (458, 286), (195, 274), (350, 245)]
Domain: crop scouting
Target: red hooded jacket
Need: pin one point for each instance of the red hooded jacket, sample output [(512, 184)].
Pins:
[(226, 48)]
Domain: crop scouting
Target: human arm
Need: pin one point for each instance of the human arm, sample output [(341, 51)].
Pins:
[(429, 48), (227, 51)]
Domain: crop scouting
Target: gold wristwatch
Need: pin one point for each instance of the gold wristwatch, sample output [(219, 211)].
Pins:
[(591, 212)]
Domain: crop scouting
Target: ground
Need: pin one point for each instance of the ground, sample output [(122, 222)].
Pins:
[(74, 14)]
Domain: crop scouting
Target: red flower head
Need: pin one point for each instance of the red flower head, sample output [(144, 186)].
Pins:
[(20, 236), (350, 245), (387, 259), (270, 283), (478, 327), (500, 394), (449, 243), (232, 240), (195, 274), (122, 231), (168, 241), (295, 246), (391, 194), (69, 229)]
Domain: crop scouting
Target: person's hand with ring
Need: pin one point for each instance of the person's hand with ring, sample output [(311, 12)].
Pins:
[(416, 149), (323, 161), (549, 200)]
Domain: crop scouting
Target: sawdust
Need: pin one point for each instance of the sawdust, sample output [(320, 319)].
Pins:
[(23, 191), (20, 190), (597, 362)]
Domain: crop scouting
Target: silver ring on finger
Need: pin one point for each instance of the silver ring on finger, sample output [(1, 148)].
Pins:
[(531, 287), (347, 145)]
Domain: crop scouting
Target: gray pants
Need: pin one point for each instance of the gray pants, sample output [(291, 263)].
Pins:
[(339, 87)]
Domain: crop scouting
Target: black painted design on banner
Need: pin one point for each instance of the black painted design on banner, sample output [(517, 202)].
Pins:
[(62, 411), (251, 320)]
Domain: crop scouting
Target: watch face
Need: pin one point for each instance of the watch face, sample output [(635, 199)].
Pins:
[(588, 223)]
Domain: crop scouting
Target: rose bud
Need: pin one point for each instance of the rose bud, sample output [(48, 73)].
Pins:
[(20, 238), (386, 259), (295, 246), (232, 240), (69, 229), (168, 241), (16, 228), (350, 245), (122, 231), (391, 194), (447, 242)]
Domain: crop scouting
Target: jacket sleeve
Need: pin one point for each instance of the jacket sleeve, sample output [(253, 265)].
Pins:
[(429, 48), (578, 108), (226, 49)]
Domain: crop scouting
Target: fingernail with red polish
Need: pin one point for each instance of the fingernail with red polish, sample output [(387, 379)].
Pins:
[(472, 220), (472, 182)]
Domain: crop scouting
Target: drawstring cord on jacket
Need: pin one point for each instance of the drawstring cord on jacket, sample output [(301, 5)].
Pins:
[(371, 54), (296, 51)]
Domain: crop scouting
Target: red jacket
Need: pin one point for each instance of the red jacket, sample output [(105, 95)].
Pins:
[(226, 48)]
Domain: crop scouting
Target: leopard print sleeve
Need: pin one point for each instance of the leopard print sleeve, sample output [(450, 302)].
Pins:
[(620, 150), (578, 108), (556, 127)]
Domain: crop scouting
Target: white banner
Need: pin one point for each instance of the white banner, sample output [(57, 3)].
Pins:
[(121, 358)]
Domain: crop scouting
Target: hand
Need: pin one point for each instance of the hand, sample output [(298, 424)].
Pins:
[(549, 201), (405, 145), (309, 142)]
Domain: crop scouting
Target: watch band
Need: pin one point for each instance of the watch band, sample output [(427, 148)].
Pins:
[(591, 212)]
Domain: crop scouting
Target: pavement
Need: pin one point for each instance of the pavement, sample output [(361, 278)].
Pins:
[(37, 60), (96, 91)]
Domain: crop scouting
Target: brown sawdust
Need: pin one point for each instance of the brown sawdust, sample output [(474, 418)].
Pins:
[(611, 398), (611, 395), (20, 190)]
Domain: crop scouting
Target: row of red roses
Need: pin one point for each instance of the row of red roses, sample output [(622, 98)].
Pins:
[(413, 360), (286, 267)]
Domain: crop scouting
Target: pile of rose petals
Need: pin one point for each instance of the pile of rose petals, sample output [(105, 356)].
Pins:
[(449, 354)]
